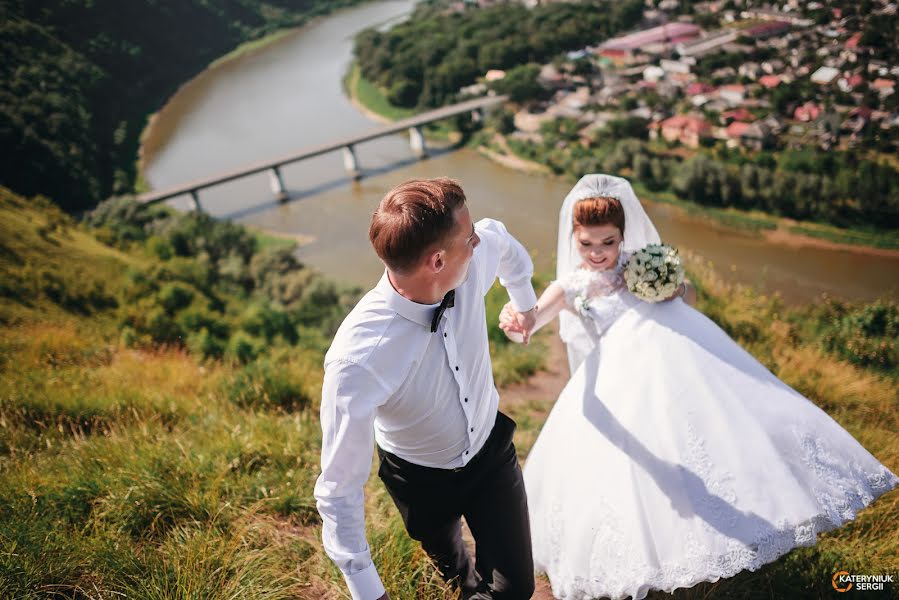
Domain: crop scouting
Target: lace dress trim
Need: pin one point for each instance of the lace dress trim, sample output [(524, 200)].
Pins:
[(857, 489)]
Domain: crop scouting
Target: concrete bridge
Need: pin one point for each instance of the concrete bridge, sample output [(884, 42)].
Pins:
[(347, 146)]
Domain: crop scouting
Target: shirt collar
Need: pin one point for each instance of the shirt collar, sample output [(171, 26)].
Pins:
[(412, 311)]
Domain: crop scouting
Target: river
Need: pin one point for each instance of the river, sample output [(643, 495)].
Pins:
[(288, 95)]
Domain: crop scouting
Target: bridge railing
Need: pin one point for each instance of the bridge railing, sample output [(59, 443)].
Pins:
[(346, 146)]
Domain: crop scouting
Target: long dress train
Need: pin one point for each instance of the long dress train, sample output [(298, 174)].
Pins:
[(673, 457)]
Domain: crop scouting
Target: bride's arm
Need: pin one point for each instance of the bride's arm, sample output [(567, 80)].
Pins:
[(549, 305)]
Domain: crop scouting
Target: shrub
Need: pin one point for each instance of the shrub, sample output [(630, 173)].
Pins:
[(204, 344), (263, 384), (243, 348), (174, 296)]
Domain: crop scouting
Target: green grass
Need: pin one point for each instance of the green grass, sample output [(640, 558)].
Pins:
[(151, 473), (758, 221), (270, 241), (251, 46), (373, 99), (754, 221), (148, 471), (858, 237)]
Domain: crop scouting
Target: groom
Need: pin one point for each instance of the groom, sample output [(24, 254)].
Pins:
[(410, 369)]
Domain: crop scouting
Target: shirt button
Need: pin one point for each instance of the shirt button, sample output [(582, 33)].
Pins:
[(472, 428), (466, 453), (457, 367), (444, 335), (466, 400)]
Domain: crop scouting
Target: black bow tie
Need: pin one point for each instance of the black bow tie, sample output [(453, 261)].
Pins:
[(448, 302)]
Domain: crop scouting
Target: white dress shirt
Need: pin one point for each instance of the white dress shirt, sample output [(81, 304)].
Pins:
[(428, 398)]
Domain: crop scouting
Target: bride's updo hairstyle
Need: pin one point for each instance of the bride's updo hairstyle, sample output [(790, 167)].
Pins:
[(598, 210)]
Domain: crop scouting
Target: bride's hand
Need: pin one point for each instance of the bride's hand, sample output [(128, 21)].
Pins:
[(508, 322)]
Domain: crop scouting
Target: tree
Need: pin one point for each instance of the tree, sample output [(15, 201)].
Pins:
[(520, 83)]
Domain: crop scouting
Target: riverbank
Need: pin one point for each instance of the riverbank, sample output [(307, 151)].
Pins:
[(789, 233), (777, 230), (782, 231), (372, 102), (278, 30)]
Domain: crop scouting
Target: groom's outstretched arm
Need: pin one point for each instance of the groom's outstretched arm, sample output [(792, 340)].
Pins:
[(501, 255), (350, 396)]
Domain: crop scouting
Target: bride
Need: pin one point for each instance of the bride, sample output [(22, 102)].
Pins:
[(672, 456)]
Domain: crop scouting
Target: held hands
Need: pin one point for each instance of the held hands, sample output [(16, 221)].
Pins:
[(517, 325)]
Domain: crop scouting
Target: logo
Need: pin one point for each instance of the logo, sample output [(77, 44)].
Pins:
[(838, 585), (843, 581)]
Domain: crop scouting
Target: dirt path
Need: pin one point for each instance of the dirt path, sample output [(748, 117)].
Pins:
[(547, 384), (542, 387), (509, 159)]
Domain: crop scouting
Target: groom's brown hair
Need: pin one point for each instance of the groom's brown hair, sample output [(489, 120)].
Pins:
[(413, 217)]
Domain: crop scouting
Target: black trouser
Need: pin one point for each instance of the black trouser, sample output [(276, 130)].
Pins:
[(489, 493)]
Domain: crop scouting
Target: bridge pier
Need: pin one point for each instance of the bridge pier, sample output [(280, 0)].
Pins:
[(277, 184), (417, 141), (350, 162), (195, 200), (347, 145)]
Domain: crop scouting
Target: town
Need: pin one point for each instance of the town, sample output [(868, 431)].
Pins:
[(803, 74)]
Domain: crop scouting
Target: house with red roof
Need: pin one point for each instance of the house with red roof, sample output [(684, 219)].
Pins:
[(739, 114), (770, 81), (884, 86), (807, 112), (748, 135), (698, 87), (766, 30), (689, 130), (669, 33)]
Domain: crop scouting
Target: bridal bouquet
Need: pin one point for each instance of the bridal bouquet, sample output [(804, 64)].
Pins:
[(654, 273)]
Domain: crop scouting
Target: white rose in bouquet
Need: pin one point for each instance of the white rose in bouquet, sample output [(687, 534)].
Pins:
[(654, 273)]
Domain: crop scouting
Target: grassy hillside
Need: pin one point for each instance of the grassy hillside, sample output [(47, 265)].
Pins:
[(159, 387)]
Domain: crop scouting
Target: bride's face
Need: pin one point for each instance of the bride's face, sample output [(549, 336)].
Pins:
[(598, 245)]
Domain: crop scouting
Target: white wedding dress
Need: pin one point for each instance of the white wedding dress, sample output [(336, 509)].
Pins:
[(673, 457)]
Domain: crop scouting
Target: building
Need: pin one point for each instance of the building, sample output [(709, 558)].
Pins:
[(807, 112), (734, 94), (670, 33), (707, 44), (850, 82), (825, 75), (763, 31), (747, 135), (775, 15), (739, 114), (883, 86), (769, 81), (699, 87), (689, 130)]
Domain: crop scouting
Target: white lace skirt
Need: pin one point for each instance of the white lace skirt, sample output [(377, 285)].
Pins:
[(673, 457)]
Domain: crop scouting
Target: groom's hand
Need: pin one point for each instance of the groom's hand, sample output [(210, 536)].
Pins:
[(508, 322)]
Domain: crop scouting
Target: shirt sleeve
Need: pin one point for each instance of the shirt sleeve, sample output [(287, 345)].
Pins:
[(504, 256), (351, 395)]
